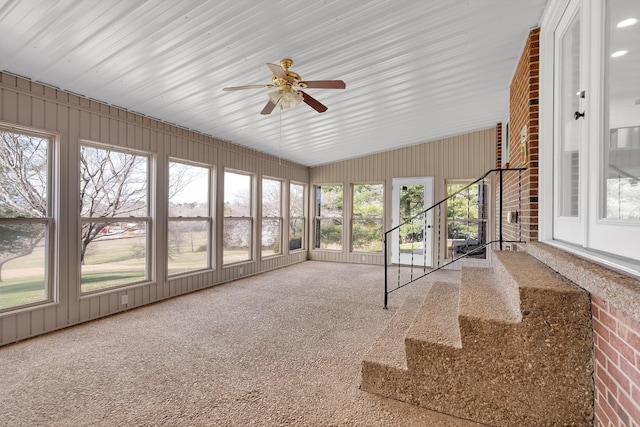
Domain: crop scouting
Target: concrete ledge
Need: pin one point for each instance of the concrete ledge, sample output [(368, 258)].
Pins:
[(621, 290)]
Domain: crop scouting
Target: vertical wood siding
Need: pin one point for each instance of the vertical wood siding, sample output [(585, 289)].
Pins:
[(73, 120), (465, 156)]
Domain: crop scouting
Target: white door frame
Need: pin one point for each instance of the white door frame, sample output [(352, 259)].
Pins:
[(424, 257)]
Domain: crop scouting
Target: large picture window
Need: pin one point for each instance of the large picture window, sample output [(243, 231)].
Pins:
[(329, 217), (271, 217), (296, 217), (367, 220), (238, 218), (189, 228), (25, 219), (115, 222)]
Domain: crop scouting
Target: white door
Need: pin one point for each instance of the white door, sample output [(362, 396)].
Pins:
[(411, 242), (569, 128)]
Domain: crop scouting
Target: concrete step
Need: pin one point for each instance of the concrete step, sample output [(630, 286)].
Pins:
[(484, 296), (472, 354)]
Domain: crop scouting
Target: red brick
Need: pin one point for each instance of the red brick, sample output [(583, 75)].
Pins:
[(635, 394), (600, 357), (603, 407), (629, 336), (630, 371), (601, 416), (604, 305), (619, 410), (619, 377), (622, 347), (601, 330), (629, 407), (606, 380)]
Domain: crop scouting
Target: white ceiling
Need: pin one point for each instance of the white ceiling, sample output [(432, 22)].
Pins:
[(415, 70)]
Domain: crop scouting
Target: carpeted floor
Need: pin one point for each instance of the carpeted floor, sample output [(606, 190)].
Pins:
[(280, 349)]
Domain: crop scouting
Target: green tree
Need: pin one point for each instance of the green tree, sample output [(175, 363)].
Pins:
[(368, 208)]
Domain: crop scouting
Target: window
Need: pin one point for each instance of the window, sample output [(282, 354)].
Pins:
[(328, 218), (506, 144), (590, 121), (367, 223), (296, 216), (114, 211), (467, 213), (25, 219), (189, 228), (620, 163), (238, 218), (271, 217)]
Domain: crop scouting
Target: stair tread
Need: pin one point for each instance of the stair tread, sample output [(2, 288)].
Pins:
[(482, 296), (437, 319), (389, 348), (528, 272)]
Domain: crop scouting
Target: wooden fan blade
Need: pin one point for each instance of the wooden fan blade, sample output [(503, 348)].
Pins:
[(277, 70), (325, 84), (248, 87), (269, 107), (313, 103)]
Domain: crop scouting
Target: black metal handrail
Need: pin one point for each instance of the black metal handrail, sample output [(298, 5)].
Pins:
[(478, 249)]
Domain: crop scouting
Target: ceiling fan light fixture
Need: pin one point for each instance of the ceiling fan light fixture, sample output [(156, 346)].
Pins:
[(290, 98), (275, 96)]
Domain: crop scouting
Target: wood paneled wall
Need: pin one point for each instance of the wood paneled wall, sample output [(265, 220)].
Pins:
[(72, 119), (466, 156)]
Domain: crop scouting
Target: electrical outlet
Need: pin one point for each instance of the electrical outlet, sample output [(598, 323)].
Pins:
[(241, 270), (364, 258), (124, 299)]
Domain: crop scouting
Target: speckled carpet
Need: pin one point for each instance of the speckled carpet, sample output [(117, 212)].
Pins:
[(282, 348)]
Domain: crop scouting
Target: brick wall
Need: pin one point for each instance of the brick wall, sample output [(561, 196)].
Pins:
[(617, 366), (521, 189)]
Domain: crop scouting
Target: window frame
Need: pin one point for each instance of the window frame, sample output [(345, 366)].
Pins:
[(208, 219), (355, 217), (303, 241), (279, 218), (318, 218), (51, 237), (250, 219), (147, 220)]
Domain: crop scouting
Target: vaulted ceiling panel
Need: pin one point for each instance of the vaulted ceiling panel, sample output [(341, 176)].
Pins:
[(414, 71)]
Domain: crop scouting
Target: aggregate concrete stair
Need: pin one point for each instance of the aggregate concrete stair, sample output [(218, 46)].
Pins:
[(508, 346)]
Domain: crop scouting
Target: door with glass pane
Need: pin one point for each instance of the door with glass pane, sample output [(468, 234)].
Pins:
[(569, 124), (411, 242)]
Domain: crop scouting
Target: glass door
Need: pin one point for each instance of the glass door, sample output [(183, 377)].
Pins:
[(569, 127), (411, 242)]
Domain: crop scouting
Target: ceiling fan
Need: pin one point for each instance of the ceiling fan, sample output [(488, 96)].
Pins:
[(289, 85)]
